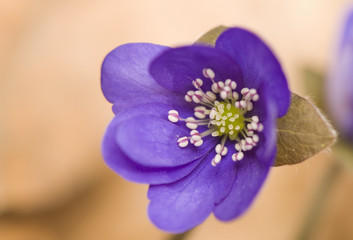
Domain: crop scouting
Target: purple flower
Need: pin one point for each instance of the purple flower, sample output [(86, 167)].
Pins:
[(339, 85), (196, 123)]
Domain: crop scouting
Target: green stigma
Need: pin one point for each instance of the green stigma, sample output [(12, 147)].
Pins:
[(227, 119)]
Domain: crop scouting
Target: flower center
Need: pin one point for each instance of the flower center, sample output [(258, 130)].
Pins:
[(225, 114), (228, 120)]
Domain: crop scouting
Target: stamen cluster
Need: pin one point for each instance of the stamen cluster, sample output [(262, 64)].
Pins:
[(223, 110)]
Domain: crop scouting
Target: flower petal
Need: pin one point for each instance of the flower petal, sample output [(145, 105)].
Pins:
[(257, 62), (152, 141), (182, 205), (175, 69), (339, 87), (253, 169), (251, 174), (125, 78), (266, 110), (124, 166)]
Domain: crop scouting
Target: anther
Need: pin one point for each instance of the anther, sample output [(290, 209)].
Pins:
[(211, 95), (244, 91), (198, 143), (255, 97), (208, 73), (231, 84), (237, 156), (255, 138), (217, 87), (188, 96), (199, 112), (191, 123), (255, 119), (183, 142), (235, 96), (250, 106), (195, 135), (173, 116), (242, 104), (197, 83), (197, 97), (221, 150), (216, 160)]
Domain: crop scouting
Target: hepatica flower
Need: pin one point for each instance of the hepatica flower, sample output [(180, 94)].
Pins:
[(340, 82), (196, 123)]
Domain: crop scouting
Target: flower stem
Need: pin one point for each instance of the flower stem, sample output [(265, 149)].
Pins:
[(180, 236), (316, 207)]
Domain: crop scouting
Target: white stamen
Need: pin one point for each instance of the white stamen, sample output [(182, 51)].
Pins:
[(197, 97), (252, 91), (211, 95), (195, 135), (191, 123), (208, 73), (197, 83), (214, 88), (250, 106), (254, 125), (237, 156), (224, 94), (173, 116), (213, 113), (255, 119), (188, 96), (183, 142), (255, 138), (218, 158), (244, 91), (199, 112), (255, 97), (231, 84), (221, 150), (198, 143), (237, 147), (242, 104), (235, 96)]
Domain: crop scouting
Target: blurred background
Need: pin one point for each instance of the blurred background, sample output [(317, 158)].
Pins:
[(53, 181)]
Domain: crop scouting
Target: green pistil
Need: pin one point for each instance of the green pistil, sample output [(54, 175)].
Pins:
[(228, 120)]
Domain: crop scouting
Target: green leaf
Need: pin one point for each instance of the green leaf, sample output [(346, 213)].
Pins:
[(302, 132), (211, 36)]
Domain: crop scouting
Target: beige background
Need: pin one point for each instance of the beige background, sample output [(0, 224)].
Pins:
[(53, 182)]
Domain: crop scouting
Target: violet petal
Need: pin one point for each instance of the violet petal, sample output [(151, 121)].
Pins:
[(175, 69), (257, 62)]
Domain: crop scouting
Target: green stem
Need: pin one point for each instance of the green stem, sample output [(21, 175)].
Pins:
[(180, 236), (316, 207)]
